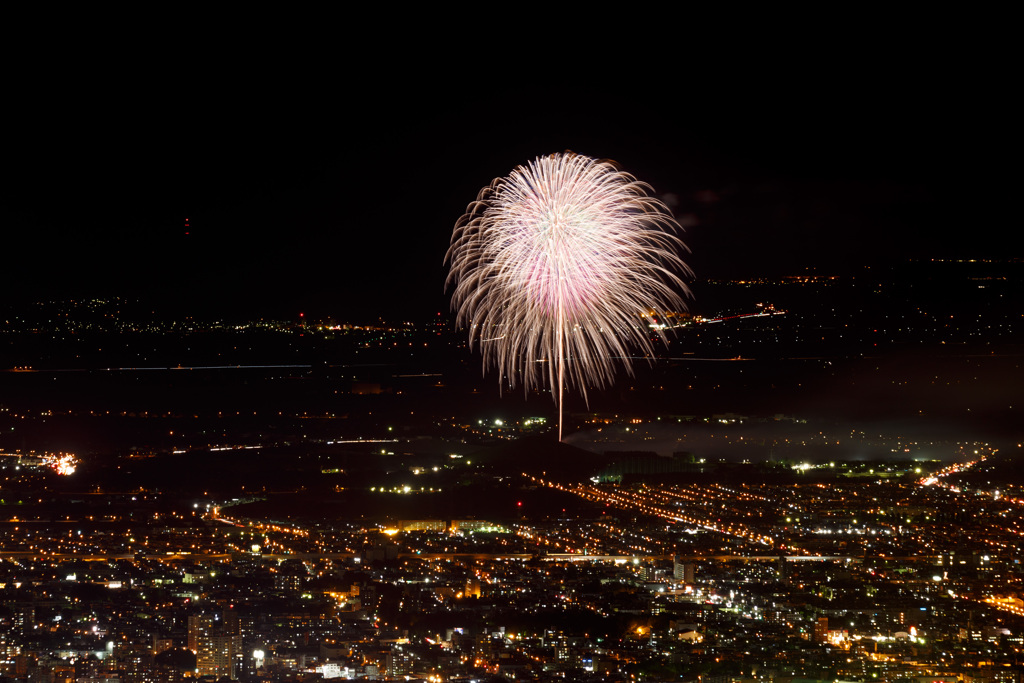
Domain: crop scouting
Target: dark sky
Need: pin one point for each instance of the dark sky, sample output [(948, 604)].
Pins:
[(329, 179)]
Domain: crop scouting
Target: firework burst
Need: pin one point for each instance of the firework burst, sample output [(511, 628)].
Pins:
[(557, 268)]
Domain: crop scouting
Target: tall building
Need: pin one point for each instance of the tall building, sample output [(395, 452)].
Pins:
[(214, 644), (782, 570), (684, 572), (200, 626), (820, 630), (137, 666), (24, 616), (400, 662)]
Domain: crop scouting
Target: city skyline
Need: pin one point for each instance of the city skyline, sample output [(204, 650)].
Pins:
[(242, 439)]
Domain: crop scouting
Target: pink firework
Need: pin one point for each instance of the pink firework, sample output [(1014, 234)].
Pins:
[(558, 269)]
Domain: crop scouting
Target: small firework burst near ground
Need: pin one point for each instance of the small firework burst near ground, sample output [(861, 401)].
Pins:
[(558, 269)]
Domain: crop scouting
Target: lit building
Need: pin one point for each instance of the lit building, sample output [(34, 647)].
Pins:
[(684, 572), (820, 630), (214, 645)]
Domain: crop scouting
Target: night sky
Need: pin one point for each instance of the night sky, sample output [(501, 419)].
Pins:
[(329, 180)]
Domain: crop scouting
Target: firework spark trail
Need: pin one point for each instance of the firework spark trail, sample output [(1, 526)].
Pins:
[(559, 263)]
